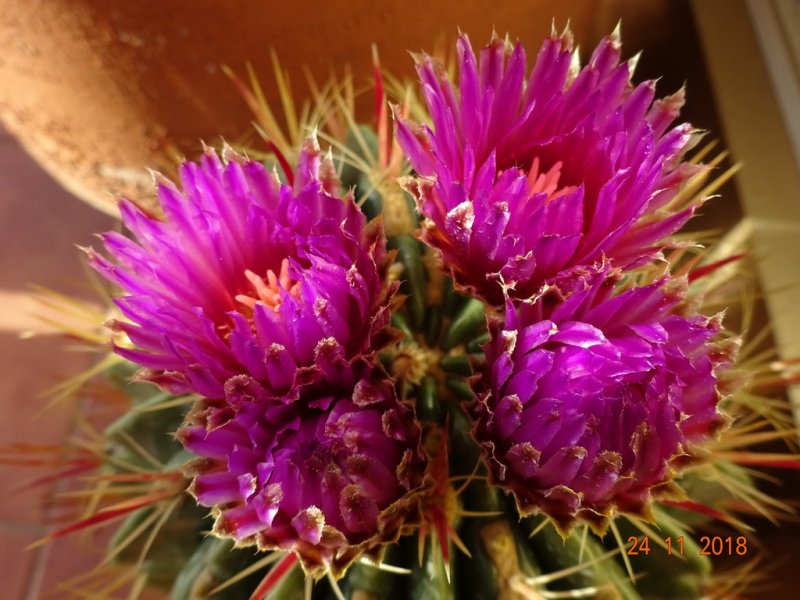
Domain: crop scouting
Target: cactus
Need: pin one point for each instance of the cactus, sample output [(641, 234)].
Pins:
[(456, 388)]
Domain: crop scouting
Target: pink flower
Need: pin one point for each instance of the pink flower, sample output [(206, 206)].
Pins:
[(329, 478), (523, 175), (248, 276), (591, 401)]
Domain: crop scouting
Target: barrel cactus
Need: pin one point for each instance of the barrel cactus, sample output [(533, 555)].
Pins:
[(470, 360)]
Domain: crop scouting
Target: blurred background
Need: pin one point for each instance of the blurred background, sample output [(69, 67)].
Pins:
[(94, 91)]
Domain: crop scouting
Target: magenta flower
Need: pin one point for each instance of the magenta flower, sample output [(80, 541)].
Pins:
[(589, 404), (246, 276), (524, 175), (329, 479)]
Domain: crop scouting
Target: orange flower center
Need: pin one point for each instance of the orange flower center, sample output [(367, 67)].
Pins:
[(267, 290), (547, 182)]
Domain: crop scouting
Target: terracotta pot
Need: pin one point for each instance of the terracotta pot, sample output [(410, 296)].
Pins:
[(96, 90)]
